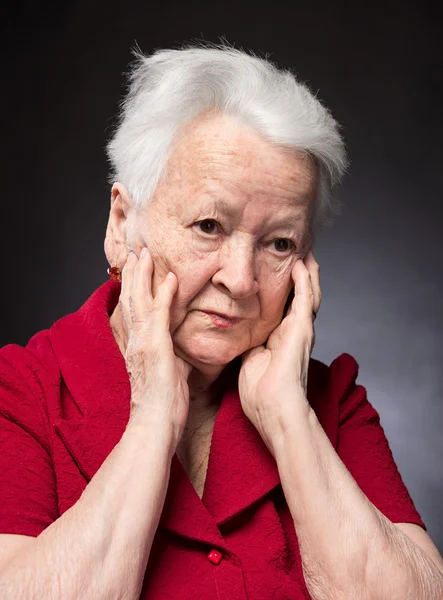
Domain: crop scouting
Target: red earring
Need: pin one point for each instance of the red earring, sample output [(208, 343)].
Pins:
[(115, 274)]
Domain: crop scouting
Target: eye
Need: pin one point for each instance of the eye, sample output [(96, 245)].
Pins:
[(207, 226), (281, 243), (210, 226)]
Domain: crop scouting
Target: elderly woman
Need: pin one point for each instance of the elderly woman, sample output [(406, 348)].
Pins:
[(173, 438)]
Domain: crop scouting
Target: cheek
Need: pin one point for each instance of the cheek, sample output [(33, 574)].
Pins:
[(194, 273), (193, 278), (178, 261), (274, 299), (192, 282)]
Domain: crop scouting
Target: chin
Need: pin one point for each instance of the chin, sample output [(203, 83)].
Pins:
[(217, 353)]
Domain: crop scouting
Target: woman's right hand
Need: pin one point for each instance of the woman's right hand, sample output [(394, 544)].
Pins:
[(159, 388)]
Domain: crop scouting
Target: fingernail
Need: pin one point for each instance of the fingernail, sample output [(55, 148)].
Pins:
[(143, 252)]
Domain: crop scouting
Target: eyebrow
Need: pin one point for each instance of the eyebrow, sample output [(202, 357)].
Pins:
[(291, 221), (287, 222)]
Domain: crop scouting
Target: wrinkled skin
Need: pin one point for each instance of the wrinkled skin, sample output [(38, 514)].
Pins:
[(241, 266)]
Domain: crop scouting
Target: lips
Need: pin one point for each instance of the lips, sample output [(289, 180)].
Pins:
[(211, 312), (222, 321)]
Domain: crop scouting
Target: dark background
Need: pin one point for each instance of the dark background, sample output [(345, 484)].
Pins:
[(378, 67)]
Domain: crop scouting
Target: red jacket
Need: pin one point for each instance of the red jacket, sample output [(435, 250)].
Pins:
[(64, 404)]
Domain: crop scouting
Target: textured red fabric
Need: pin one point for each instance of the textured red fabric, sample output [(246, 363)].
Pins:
[(64, 404)]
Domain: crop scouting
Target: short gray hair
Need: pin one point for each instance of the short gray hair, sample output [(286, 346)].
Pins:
[(172, 87)]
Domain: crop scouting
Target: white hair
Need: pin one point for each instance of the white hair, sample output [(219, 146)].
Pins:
[(170, 88)]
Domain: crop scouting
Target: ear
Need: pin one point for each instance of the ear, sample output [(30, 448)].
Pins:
[(116, 230)]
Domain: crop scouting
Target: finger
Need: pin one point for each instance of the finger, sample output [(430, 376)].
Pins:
[(141, 292), (126, 287), (314, 271), (303, 292), (161, 306)]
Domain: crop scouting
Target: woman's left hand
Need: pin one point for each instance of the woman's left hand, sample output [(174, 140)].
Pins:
[(273, 379)]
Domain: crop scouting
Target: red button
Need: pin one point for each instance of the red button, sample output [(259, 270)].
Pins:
[(215, 556)]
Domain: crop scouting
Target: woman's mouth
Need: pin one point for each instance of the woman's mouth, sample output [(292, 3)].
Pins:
[(220, 321)]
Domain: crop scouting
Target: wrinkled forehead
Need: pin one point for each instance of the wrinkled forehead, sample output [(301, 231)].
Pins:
[(220, 150)]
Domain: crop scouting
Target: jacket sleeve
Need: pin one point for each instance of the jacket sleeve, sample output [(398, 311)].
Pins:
[(364, 448), (28, 499)]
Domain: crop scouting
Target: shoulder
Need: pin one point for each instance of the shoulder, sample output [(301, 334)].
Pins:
[(347, 397), (333, 392), (38, 364), (336, 379), (28, 365), (27, 374)]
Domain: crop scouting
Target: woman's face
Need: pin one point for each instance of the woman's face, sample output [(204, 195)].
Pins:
[(230, 220)]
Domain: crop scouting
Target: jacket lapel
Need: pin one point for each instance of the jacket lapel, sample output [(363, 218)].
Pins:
[(241, 470)]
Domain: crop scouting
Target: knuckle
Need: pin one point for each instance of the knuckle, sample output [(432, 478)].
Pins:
[(159, 304), (131, 304), (158, 307)]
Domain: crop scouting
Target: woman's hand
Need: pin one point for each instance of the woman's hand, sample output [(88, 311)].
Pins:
[(273, 379), (159, 388)]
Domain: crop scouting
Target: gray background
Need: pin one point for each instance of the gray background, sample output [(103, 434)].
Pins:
[(377, 67)]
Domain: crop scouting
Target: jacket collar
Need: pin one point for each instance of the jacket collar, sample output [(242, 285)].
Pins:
[(240, 469)]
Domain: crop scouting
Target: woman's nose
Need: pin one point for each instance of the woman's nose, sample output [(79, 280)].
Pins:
[(237, 273)]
